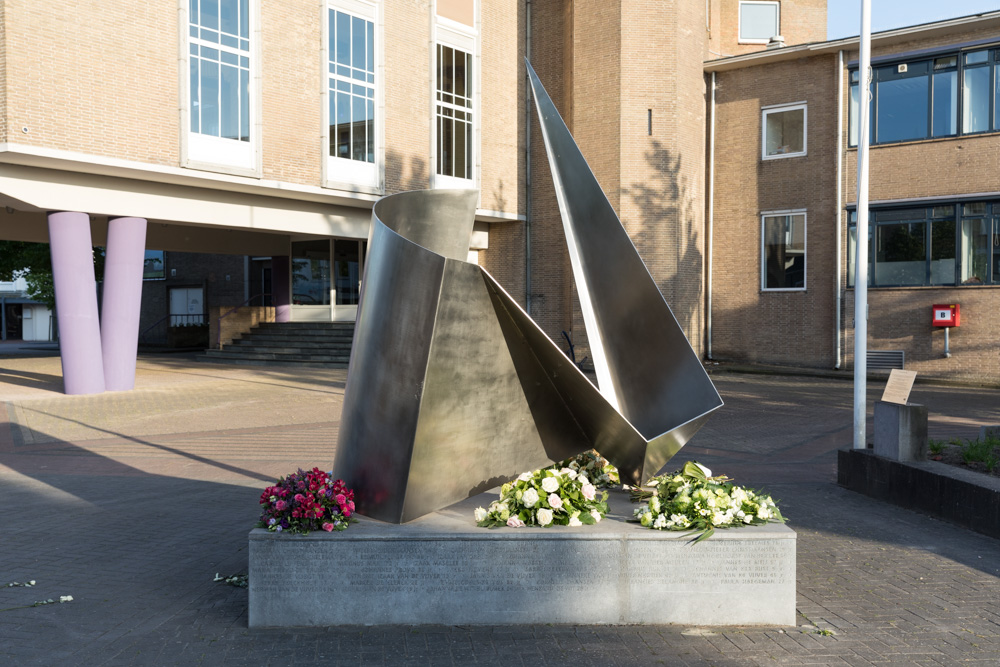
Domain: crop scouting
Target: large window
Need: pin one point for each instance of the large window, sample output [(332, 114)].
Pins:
[(950, 244), (783, 251), (921, 99), (454, 112), (759, 21), (219, 66), (784, 131), (351, 53)]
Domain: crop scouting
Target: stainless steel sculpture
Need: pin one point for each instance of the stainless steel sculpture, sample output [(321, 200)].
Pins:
[(453, 388)]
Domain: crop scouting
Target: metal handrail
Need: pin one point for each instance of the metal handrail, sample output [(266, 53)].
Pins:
[(218, 322)]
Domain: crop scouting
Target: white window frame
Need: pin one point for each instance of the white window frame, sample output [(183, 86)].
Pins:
[(462, 37), (739, 20), (779, 108), (805, 250), (207, 153), (342, 173)]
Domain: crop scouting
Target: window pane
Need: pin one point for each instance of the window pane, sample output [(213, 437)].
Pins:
[(230, 102), (359, 126), (996, 99), (784, 252), (945, 104), (344, 125), (946, 62), (209, 97), (758, 20), (311, 273), (370, 156), (976, 100), (784, 131), (900, 254), (152, 265), (343, 51), (245, 20), (460, 149), (230, 16), (244, 105), (195, 105), (995, 277), (358, 49), (854, 117), (977, 57), (943, 252), (975, 251), (902, 109), (210, 14)]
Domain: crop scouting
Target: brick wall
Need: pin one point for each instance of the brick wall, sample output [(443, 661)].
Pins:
[(748, 323), (801, 22)]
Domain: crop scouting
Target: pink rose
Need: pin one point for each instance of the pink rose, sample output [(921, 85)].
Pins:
[(341, 500), (299, 497), (589, 491), (346, 513), (555, 502), (328, 527), (280, 505), (514, 522)]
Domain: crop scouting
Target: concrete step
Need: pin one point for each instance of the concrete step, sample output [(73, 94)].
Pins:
[(283, 362), (343, 350), (267, 356), (294, 343)]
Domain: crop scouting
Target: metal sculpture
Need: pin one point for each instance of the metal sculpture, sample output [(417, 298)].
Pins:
[(453, 388)]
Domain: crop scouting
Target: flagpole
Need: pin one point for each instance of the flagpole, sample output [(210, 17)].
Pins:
[(861, 247)]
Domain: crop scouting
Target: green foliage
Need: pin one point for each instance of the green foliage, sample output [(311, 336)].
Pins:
[(978, 450), (33, 262), (935, 446)]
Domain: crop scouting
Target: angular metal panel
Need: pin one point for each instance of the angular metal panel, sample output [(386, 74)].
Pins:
[(645, 365)]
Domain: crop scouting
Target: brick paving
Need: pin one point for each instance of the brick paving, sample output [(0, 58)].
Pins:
[(132, 502)]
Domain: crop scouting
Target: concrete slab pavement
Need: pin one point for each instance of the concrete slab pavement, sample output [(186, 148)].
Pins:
[(131, 502)]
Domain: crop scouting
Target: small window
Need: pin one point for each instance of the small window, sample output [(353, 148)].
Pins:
[(759, 22), (783, 251), (454, 112), (784, 132), (152, 265)]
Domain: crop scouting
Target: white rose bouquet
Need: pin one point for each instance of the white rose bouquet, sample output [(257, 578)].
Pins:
[(597, 468), (547, 497), (692, 499)]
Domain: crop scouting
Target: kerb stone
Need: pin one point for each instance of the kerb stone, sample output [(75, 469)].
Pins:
[(443, 570)]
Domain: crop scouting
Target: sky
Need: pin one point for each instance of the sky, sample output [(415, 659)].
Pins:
[(844, 16)]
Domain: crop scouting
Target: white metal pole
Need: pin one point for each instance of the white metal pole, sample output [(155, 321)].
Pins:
[(861, 253)]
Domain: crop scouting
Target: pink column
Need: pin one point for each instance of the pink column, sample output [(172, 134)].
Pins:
[(76, 302), (281, 289), (122, 299)]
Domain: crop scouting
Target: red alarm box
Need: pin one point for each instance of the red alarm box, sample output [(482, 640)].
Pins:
[(946, 315)]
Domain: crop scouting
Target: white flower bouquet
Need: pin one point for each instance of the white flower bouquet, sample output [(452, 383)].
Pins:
[(546, 497), (692, 499), (597, 468)]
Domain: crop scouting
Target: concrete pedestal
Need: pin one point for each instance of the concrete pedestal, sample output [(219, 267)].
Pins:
[(901, 431), (442, 569)]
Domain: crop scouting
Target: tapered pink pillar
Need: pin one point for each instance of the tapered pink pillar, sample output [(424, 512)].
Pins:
[(122, 300), (76, 302), (281, 290)]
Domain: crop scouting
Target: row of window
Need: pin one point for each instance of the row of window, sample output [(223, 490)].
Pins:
[(934, 245), (944, 96), (945, 245), (220, 64)]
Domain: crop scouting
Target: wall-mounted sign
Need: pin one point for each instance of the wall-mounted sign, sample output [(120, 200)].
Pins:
[(946, 315)]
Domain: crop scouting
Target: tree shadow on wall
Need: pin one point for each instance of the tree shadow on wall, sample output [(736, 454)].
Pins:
[(405, 172), (667, 235)]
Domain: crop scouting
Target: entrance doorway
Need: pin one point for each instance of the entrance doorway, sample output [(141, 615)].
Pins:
[(326, 279), (13, 329)]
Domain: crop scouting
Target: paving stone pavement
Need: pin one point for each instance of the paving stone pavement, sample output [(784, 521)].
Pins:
[(132, 502)]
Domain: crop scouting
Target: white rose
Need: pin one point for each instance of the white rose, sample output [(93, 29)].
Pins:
[(524, 477), (515, 522), (569, 472), (660, 523), (530, 498), (589, 491), (544, 517), (480, 514), (708, 473), (555, 502), (574, 521), (550, 484), (596, 515), (748, 518)]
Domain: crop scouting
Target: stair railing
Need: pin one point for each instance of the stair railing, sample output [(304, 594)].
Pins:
[(218, 322)]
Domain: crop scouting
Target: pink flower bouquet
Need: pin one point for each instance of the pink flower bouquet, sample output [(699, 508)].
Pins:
[(307, 501)]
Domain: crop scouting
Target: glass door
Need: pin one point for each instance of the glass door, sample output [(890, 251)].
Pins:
[(348, 264)]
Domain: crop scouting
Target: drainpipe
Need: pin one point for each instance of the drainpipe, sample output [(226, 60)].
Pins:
[(711, 220), (840, 209), (527, 164)]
